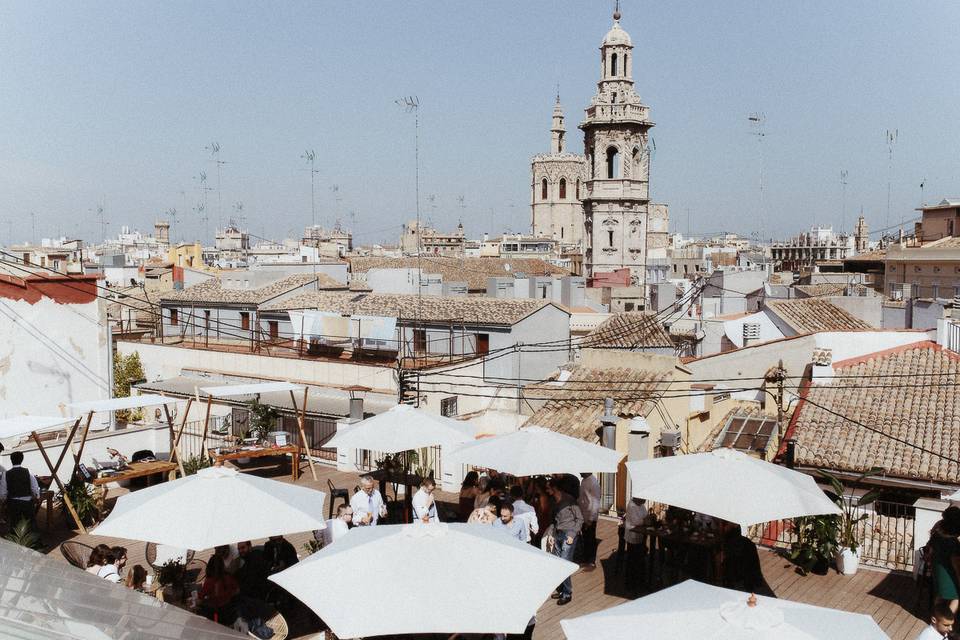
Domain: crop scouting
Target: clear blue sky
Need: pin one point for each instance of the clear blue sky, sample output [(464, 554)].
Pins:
[(118, 101)]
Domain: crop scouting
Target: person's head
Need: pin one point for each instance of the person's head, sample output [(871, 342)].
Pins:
[(506, 513), (276, 538), (472, 479), (638, 501), (345, 512), (555, 487), (367, 485), (243, 548), (585, 475), (136, 577), (950, 521), (98, 557), (495, 487), (216, 568), (942, 617), (119, 555), (428, 485), (516, 492), (222, 551), (495, 503), (16, 458)]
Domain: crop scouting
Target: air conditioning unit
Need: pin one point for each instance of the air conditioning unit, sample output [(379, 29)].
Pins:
[(897, 295), (751, 331), (670, 438)]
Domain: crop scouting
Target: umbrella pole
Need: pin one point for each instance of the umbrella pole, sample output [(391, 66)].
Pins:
[(183, 424), (56, 478), (206, 423), (83, 442), (302, 439), (174, 452)]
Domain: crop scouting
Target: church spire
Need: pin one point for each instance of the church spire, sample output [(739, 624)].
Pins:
[(557, 131)]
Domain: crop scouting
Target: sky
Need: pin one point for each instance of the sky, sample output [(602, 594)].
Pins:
[(114, 104)]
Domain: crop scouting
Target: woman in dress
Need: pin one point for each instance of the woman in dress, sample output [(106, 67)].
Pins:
[(469, 490), (945, 548)]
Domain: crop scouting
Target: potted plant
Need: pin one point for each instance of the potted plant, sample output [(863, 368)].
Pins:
[(816, 544), (171, 576), (83, 498), (848, 549)]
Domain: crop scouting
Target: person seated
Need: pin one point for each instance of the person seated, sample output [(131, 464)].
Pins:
[(231, 558), (98, 558), (741, 562), (136, 578), (218, 593), (941, 622), (336, 527), (514, 527), (253, 572), (115, 558), (280, 554)]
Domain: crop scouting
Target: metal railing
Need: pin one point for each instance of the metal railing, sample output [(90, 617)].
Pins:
[(885, 535), (218, 435), (428, 460)]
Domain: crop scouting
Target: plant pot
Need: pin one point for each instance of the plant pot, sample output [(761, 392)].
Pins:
[(242, 461), (848, 561), (821, 567)]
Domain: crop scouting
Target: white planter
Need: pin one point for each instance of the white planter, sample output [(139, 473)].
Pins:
[(848, 561)]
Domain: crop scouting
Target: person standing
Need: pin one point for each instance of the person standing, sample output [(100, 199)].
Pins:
[(20, 490), (636, 548), (941, 622), (524, 511), (946, 557), (424, 504), (589, 503), (566, 528), (367, 504)]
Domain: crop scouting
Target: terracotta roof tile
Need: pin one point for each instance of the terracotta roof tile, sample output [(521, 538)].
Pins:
[(629, 330), (474, 271), (809, 315), (212, 291)]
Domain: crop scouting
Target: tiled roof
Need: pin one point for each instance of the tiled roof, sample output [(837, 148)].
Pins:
[(629, 330), (822, 289), (809, 315), (468, 309), (914, 398), (473, 271), (877, 255), (574, 407), (212, 291)]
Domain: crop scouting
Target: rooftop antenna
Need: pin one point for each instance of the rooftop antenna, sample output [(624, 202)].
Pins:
[(892, 135), (201, 210), (336, 198), (100, 219), (758, 125), (172, 213), (411, 104), (214, 149), (310, 156), (238, 207), (201, 179), (843, 200)]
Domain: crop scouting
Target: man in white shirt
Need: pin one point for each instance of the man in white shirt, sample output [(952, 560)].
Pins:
[(636, 549), (424, 504), (514, 527), (367, 504), (19, 488), (524, 511), (336, 527), (589, 503), (941, 622)]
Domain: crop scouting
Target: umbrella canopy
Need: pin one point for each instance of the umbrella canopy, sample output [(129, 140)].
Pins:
[(213, 507), (533, 451), (695, 610), (402, 428), (416, 579), (25, 425), (731, 485)]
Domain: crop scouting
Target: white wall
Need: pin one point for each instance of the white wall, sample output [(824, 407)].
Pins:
[(51, 355)]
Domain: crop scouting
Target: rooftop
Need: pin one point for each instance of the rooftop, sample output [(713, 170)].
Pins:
[(911, 397), (809, 315), (213, 291), (474, 271), (629, 330), (478, 310)]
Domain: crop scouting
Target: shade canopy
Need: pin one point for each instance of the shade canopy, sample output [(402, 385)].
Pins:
[(402, 428), (695, 610), (120, 404), (229, 390), (537, 451), (731, 485), (418, 579), (45, 598), (215, 506), (25, 425)]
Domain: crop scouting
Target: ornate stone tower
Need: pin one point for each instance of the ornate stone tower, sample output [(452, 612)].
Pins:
[(861, 237), (616, 201), (557, 187)]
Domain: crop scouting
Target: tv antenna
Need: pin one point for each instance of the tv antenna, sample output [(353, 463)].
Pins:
[(102, 221), (214, 149), (411, 104), (843, 200), (238, 207), (757, 122), (201, 207), (310, 156), (335, 189), (172, 213), (891, 138)]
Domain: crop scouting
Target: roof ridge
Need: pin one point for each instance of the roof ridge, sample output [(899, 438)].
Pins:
[(867, 357)]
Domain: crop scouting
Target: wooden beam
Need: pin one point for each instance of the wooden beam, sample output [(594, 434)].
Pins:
[(302, 439), (56, 478), (66, 444), (174, 452), (83, 442), (206, 424)]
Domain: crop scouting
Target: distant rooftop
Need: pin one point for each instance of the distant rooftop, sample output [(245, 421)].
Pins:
[(474, 271), (809, 315), (213, 290), (629, 330)]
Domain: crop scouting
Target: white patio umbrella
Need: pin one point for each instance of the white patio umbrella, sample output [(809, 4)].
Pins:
[(402, 428), (731, 485), (533, 451), (418, 579), (954, 497), (695, 610), (215, 506)]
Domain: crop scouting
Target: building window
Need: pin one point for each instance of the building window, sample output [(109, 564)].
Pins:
[(613, 163), (610, 238), (578, 188), (917, 269), (628, 306), (563, 188), (543, 189), (419, 340), (613, 66), (174, 317), (674, 267), (626, 69), (206, 319), (448, 407), (244, 321), (483, 344), (561, 233), (685, 268), (274, 328)]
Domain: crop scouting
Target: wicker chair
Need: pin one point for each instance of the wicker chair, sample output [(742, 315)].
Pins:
[(76, 553), (150, 553), (279, 626)]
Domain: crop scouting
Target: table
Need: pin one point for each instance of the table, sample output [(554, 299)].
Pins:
[(408, 480), (136, 470), (260, 452), (661, 541)]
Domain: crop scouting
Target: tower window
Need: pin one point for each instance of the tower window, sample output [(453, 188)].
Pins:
[(613, 163), (636, 164), (614, 97), (561, 233), (563, 188), (610, 238), (578, 188), (626, 69), (543, 189), (613, 64)]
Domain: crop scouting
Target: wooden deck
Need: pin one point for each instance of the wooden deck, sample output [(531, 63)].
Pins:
[(890, 598)]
